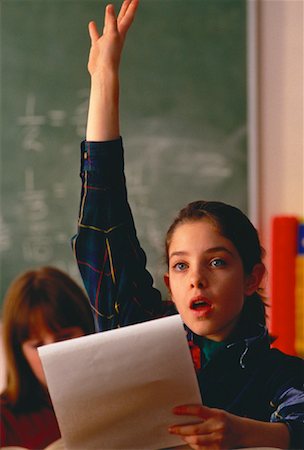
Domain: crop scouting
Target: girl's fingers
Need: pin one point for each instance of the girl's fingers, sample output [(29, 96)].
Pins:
[(93, 32), (201, 442), (125, 18), (188, 429), (123, 9), (110, 23), (206, 424), (126, 15), (194, 410)]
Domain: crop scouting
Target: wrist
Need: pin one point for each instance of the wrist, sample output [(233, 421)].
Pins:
[(104, 76), (255, 433)]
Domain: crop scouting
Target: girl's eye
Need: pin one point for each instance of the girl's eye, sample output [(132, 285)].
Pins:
[(180, 266), (218, 262)]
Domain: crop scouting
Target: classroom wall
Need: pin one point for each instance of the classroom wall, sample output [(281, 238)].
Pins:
[(280, 147)]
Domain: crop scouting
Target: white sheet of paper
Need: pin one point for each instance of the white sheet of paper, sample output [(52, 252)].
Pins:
[(116, 389)]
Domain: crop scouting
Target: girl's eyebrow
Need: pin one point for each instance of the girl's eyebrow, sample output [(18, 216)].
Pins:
[(219, 249), (180, 253), (209, 250)]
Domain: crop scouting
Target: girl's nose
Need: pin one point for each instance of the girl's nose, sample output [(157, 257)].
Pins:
[(198, 279)]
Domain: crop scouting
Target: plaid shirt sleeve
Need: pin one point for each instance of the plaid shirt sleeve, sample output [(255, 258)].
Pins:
[(289, 403), (110, 259)]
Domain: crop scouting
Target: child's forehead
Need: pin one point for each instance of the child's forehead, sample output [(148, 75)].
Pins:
[(40, 323), (200, 235), (37, 329), (196, 228)]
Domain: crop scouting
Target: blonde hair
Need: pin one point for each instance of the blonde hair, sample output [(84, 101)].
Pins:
[(45, 294)]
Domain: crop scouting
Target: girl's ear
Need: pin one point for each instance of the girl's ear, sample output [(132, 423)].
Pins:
[(253, 281), (167, 283), (167, 280)]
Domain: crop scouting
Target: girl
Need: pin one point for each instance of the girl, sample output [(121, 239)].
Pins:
[(41, 306), (252, 394)]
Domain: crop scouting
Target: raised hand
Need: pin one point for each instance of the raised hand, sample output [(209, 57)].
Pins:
[(106, 48), (103, 66)]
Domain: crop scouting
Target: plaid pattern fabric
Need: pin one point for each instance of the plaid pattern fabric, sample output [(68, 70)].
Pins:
[(109, 256)]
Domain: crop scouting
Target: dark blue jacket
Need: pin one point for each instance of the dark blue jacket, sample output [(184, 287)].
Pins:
[(245, 376)]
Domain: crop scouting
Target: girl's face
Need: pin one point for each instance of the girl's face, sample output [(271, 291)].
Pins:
[(206, 279), (42, 336)]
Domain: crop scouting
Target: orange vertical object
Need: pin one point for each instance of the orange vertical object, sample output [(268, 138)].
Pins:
[(283, 282), (299, 294)]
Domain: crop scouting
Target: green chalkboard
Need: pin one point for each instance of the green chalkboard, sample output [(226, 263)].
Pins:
[(183, 97)]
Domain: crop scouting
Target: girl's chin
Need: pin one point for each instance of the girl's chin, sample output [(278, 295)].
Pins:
[(198, 328), (204, 330)]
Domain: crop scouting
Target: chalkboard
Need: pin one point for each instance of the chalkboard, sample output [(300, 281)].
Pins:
[(183, 117)]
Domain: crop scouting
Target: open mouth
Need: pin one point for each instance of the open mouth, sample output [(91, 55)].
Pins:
[(199, 304)]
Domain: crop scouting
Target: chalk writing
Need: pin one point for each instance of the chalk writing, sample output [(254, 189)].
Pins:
[(5, 236), (32, 125), (79, 117), (57, 118), (59, 190), (36, 245), (139, 191)]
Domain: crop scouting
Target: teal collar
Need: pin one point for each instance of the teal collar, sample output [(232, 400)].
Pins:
[(210, 348)]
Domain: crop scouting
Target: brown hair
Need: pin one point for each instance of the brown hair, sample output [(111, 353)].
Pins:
[(233, 224), (45, 293)]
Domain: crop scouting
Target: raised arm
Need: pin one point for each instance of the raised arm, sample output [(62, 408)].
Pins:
[(110, 259), (103, 66)]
